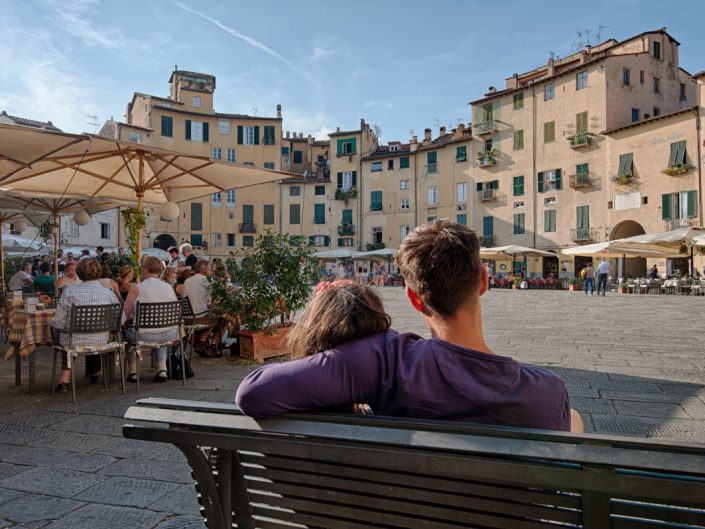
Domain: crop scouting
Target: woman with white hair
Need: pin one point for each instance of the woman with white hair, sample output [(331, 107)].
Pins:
[(190, 259)]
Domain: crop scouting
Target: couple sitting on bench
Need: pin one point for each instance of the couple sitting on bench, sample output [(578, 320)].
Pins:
[(348, 358)]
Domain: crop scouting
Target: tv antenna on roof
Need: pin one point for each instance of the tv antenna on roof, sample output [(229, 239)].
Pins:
[(600, 28), (94, 123), (254, 111)]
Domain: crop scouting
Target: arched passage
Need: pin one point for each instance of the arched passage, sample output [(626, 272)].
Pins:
[(633, 266), (163, 241)]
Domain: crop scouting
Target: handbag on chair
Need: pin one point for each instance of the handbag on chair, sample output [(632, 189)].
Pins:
[(174, 366)]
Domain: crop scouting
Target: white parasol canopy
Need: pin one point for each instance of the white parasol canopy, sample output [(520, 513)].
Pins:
[(512, 251), (615, 249)]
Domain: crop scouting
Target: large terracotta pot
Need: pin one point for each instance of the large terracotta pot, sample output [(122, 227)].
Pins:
[(261, 345)]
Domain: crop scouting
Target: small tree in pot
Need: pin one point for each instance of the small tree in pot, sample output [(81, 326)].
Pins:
[(273, 281)]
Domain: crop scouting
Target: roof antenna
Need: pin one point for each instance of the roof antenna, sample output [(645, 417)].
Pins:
[(94, 123)]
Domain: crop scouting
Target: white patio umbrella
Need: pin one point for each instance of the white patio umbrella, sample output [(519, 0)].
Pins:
[(20, 150), (340, 253), (160, 254), (614, 249), (673, 240), (102, 167), (698, 241), (514, 251)]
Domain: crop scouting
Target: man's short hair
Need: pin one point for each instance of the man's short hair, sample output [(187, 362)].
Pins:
[(89, 269), (152, 265), (44, 267), (201, 265), (173, 249), (85, 251), (99, 249), (26, 265), (441, 263), (186, 247)]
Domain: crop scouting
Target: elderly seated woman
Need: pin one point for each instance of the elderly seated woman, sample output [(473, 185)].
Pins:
[(88, 292)]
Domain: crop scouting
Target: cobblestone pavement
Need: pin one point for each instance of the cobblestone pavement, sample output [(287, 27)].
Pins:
[(634, 365)]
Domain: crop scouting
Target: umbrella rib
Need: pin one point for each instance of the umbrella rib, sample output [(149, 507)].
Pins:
[(189, 172), (90, 173), (167, 163), (125, 162), (43, 157), (127, 166)]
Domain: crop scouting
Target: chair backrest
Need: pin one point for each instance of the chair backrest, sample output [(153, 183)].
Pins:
[(157, 315), (95, 318), (51, 304), (187, 308)]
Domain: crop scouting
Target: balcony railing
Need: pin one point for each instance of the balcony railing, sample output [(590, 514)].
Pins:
[(345, 194), (583, 234), (580, 180), (577, 141), (485, 127), (432, 168), (248, 227), (487, 241), (487, 158), (487, 195), (674, 224), (679, 169), (346, 229)]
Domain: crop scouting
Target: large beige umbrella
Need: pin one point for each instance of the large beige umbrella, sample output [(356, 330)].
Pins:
[(673, 240), (513, 251), (19, 148), (615, 249), (124, 171), (10, 213)]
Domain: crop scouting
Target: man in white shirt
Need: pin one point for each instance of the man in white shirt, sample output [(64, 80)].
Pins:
[(21, 278), (198, 290), (603, 270)]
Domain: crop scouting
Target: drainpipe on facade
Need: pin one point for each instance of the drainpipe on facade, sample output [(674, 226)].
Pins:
[(700, 160), (416, 186), (281, 205), (534, 193)]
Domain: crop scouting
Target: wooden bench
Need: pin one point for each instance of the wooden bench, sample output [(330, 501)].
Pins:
[(345, 471)]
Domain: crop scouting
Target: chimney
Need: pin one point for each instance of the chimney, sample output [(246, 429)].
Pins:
[(491, 90), (551, 69), (583, 56), (427, 135), (362, 124), (413, 144), (279, 111), (288, 134), (513, 82), (442, 131), (337, 129), (301, 135)]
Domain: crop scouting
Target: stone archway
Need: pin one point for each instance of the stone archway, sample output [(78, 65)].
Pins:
[(164, 241), (632, 266)]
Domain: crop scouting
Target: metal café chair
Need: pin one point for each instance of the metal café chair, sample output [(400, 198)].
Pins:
[(191, 326), (85, 320), (155, 316)]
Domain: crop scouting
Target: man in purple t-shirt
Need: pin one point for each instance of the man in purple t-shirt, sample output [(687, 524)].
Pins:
[(452, 376)]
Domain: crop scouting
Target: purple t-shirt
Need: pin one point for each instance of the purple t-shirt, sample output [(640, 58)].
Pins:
[(405, 375)]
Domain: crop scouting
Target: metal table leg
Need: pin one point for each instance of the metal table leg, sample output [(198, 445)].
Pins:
[(18, 365)]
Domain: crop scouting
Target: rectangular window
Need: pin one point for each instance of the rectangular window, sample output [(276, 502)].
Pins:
[(285, 151), (196, 131), (678, 154), (656, 49), (196, 101), (403, 232), (217, 153), (230, 198), (487, 226), (319, 213), (549, 220), (518, 101), (268, 214), (549, 92), (432, 162), (196, 239), (294, 214), (295, 191), (462, 218), (404, 203), (196, 216), (231, 239), (167, 126), (432, 195), (217, 199), (347, 180), (681, 92), (581, 80), (518, 223), (518, 186), (231, 216), (462, 192), (549, 132), (347, 146), (269, 165), (217, 239), (626, 164), (582, 217), (248, 241), (404, 184), (518, 205), (247, 135), (345, 241), (298, 157), (248, 214), (319, 190), (626, 77), (657, 111), (224, 128), (404, 162), (549, 180), (657, 85), (105, 230), (581, 122), (73, 229), (641, 76), (390, 165), (461, 153), (135, 137), (582, 169), (376, 200), (269, 138), (377, 237), (230, 155), (346, 217), (518, 140), (635, 115), (376, 167)]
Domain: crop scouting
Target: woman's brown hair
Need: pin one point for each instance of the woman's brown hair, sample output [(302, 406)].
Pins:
[(335, 315)]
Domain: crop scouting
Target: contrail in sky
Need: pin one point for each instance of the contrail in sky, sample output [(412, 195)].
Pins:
[(249, 40)]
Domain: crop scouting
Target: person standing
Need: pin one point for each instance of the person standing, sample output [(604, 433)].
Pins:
[(589, 279), (603, 270), (490, 275)]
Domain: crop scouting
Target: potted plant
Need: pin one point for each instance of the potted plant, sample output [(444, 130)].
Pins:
[(516, 285), (398, 280), (623, 288), (273, 281), (575, 284)]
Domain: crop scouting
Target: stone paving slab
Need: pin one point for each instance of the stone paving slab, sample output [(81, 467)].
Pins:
[(174, 472), (71, 441), (183, 522), (181, 501), (38, 508), (8, 495), (100, 516), (48, 457), (128, 492), (51, 481)]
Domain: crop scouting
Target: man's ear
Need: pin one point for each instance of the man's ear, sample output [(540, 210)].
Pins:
[(415, 301), (484, 281)]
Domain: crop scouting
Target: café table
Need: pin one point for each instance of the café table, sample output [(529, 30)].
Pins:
[(26, 331)]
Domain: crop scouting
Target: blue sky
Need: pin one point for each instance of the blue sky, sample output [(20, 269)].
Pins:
[(402, 65)]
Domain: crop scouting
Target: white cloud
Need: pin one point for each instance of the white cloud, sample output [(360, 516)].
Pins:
[(71, 17), (317, 124), (320, 53), (379, 106)]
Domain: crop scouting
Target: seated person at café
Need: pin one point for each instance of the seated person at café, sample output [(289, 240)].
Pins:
[(88, 292), (124, 280), (190, 258), (181, 278), (198, 290), (150, 290), (69, 278), (44, 282), (23, 278)]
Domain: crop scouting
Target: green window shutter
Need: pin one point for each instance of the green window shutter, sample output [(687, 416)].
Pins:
[(188, 129), (691, 204), (248, 214), (666, 206), (340, 149), (376, 200), (294, 213), (354, 144), (625, 164), (518, 223), (269, 135), (462, 218), (581, 122), (487, 226), (205, 133), (479, 186), (540, 182), (340, 180), (354, 178), (347, 216), (340, 242), (558, 179), (674, 154), (547, 220), (494, 184), (431, 157), (582, 169), (404, 162), (518, 140), (239, 135), (680, 157), (326, 240), (196, 216), (311, 240), (583, 216), (628, 166), (269, 214), (461, 153), (167, 125), (257, 135), (319, 213), (518, 186)]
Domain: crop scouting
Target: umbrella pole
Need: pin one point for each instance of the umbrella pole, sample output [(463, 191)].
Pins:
[(2, 263), (56, 255), (139, 237)]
